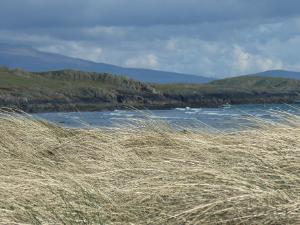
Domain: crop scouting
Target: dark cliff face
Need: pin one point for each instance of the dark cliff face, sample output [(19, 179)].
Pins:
[(123, 101), (74, 90)]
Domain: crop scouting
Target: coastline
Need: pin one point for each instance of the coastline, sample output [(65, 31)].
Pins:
[(50, 107), (68, 90)]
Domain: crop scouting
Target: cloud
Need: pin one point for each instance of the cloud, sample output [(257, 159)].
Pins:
[(147, 61), (244, 62), (171, 45), (205, 37), (75, 49), (89, 13)]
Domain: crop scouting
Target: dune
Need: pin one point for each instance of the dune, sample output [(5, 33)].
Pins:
[(152, 174)]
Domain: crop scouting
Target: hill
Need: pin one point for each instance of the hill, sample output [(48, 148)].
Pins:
[(36, 61), (280, 73), (248, 83), (258, 83), (237, 90), (70, 90)]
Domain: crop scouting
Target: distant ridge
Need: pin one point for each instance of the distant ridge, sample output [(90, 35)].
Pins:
[(36, 61), (280, 73)]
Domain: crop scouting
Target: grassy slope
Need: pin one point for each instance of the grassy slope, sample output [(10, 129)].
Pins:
[(59, 81), (258, 83), (68, 87), (69, 90), (152, 175), (244, 83)]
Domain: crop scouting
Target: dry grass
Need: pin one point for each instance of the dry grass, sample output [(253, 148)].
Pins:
[(151, 175)]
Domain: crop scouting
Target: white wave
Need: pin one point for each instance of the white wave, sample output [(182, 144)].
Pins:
[(190, 112)]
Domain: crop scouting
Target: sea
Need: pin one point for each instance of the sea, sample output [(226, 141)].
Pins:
[(225, 118)]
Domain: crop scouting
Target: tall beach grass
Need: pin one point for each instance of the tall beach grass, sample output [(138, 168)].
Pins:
[(148, 175)]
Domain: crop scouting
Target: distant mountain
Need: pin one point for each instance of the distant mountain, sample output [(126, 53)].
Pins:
[(37, 61), (280, 73)]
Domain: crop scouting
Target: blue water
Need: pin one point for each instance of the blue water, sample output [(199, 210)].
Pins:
[(234, 117)]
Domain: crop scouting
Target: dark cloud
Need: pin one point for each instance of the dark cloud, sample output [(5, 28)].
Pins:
[(205, 37), (78, 13)]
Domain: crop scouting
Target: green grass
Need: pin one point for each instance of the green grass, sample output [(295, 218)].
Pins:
[(68, 79), (255, 83), (19, 87), (22, 79), (59, 90)]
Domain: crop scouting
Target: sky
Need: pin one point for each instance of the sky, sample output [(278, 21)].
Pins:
[(204, 37)]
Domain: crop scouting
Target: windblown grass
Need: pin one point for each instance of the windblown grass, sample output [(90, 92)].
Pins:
[(150, 175)]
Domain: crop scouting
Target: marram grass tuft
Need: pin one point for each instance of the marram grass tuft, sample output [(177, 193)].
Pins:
[(150, 175)]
